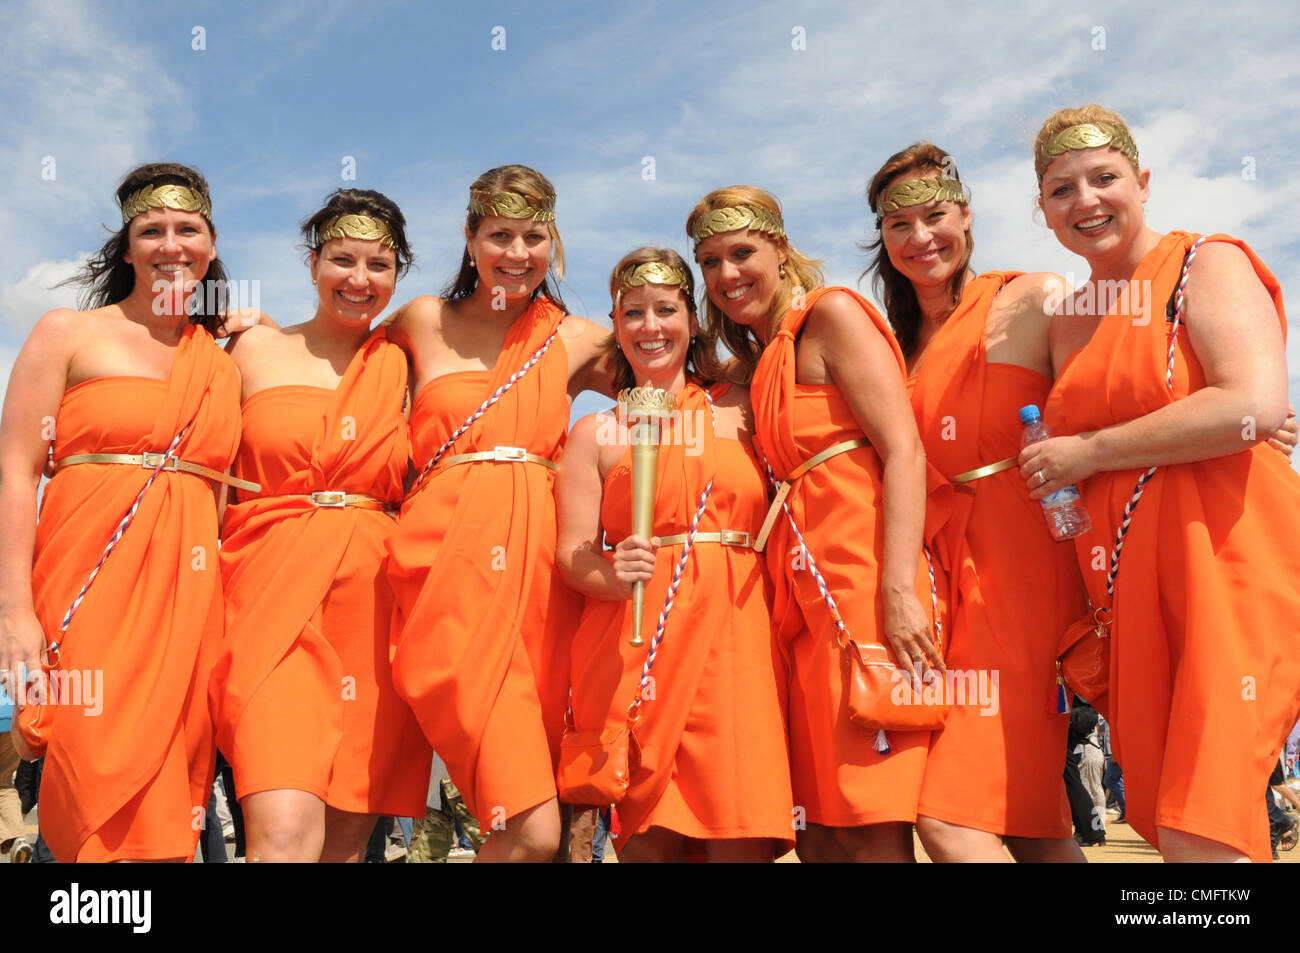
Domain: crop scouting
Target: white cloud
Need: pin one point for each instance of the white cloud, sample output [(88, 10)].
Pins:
[(25, 300)]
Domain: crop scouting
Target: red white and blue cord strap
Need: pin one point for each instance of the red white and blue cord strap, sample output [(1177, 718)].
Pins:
[(495, 396), (842, 630), (54, 646), (634, 709), (840, 627), (1180, 293)]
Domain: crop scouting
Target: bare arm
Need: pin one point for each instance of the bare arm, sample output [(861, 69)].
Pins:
[(861, 363), (1234, 332), (586, 344), (1018, 330), (36, 386), (578, 495)]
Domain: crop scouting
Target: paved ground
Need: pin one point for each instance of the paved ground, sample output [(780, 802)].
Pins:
[(1123, 846)]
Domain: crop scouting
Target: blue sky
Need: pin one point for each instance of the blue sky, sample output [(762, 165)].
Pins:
[(587, 93)]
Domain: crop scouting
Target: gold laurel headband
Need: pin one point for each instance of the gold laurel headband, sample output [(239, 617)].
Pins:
[(357, 226), (512, 205), (653, 273), (1087, 135), (179, 197), (919, 191), (722, 220)]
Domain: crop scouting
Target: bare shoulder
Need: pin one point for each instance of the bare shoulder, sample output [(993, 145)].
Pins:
[(421, 311), (246, 342), (62, 321), (1037, 291), (737, 395), (837, 317), (574, 328), (583, 437), (239, 320), (1221, 261)]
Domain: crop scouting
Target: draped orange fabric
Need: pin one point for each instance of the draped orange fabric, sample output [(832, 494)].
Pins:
[(713, 741), (838, 776), (996, 765), (302, 696), (126, 777), (1205, 645), (482, 621)]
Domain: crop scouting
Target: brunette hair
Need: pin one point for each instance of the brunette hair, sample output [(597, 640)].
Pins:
[(360, 202), (800, 270), (890, 285), (533, 185), (702, 362), (107, 278)]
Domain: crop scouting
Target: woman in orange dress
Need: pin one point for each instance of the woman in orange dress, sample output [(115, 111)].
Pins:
[(1171, 369), (977, 349), (828, 376), (482, 621), (714, 769), (302, 695), (142, 410)]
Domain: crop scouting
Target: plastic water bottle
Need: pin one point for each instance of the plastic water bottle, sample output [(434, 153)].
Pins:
[(1066, 515)]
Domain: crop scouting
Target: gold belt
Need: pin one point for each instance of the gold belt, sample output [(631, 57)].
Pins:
[(150, 461), (783, 488), (497, 455), (337, 499), (979, 473), (728, 537)]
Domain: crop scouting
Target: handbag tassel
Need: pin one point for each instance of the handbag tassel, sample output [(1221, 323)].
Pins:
[(882, 742), (1062, 698)]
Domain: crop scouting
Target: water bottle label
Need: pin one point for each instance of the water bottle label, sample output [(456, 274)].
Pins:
[(1066, 494)]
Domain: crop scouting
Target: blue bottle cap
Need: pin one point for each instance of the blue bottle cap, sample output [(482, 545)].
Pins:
[(1029, 413)]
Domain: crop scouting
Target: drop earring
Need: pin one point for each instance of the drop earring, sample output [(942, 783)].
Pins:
[(781, 271)]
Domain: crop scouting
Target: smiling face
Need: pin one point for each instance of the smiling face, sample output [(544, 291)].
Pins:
[(1092, 199), (653, 327), (164, 244), (742, 272), (926, 242), (354, 279), (510, 253)]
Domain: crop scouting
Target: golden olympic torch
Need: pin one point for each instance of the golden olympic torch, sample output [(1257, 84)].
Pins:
[(646, 407)]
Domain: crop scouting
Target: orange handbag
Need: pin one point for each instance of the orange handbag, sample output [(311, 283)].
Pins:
[(596, 767), (881, 697), (1083, 663)]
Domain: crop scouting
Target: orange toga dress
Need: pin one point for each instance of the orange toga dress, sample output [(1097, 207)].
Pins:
[(996, 765), (1205, 644), (713, 739), (128, 775), (838, 776), (482, 620), (302, 695)]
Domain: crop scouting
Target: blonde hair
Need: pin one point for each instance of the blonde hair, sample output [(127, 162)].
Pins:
[(701, 355), (1064, 119), (532, 185), (800, 271)]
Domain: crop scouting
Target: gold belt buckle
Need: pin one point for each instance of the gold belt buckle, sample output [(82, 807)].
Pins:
[(735, 537), (329, 498), (509, 454), (151, 459)]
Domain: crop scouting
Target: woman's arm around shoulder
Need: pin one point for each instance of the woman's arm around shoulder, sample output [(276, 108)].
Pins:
[(587, 346)]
